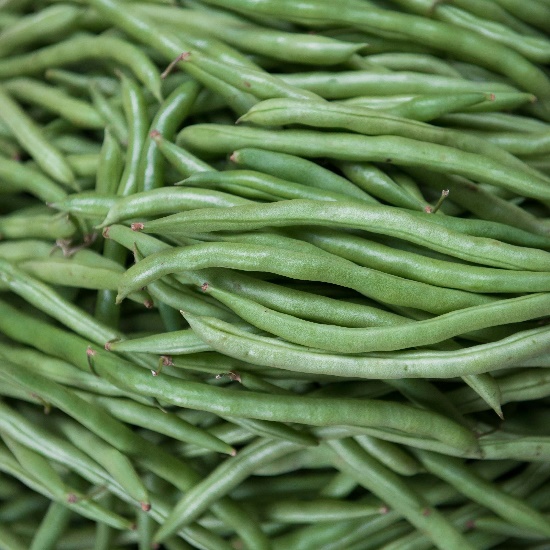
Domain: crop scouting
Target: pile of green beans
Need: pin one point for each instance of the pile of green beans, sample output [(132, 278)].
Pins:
[(274, 275)]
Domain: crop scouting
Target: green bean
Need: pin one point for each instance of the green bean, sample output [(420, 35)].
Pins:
[(260, 350), (537, 15), (183, 161), (178, 342), (424, 107), (81, 83), (481, 202), (46, 23), (166, 423), (114, 462), (375, 182), (378, 219), (433, 271), (36, 472), (465, 44), (290, 47), (349, 84), (32, 181), (508, 507), (136, 115), (260, 84), (361, 340), (167, 120), (53, 525), (275, 430), (527, 384), (110, 165), (533, 48), (228, 475), (166, 200), (112, 115), (87, 204), (350, 458), (276, 112), (498, 122), (389, 454), (220, 139), (399, 61), (251, 180), (76, 111), (301, 264), (79, 48), (30, 137), (39, 225), (299, 170)]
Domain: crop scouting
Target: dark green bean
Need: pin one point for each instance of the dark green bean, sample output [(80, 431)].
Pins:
[(167, 120)]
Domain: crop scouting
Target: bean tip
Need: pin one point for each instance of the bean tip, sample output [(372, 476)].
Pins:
[(137, 226), (155, 135), (108, 345), (233, 452)]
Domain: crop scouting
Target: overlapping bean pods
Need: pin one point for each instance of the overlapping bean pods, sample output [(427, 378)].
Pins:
[(274, 275)]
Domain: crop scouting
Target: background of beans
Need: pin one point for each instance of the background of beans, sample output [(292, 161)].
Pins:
[(274, 274)]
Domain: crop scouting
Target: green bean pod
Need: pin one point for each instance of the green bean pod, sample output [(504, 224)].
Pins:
[(299, 264), (358, 340), (31, 138), (261, 350), (384, 220), (220, 139)]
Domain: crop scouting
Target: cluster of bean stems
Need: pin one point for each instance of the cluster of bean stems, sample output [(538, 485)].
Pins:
[(274, 274)]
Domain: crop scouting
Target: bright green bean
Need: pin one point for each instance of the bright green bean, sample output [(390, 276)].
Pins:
[(166, 200), (23, 225), (53, 525), (110, 165), (303, 264), (299, 170), (112, 115), (422, 230), (178, 342), (362, 340)]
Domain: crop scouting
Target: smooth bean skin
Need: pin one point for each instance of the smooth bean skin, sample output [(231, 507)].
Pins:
[(286, 46), (465, 45), (77, 49), (377, 219), (262, 182), (183, 161), (110, 165), (350, 458), (32, 181), (508, 507), (30, 137), (433, 271), (358, 340), (219, 139), (167, 120), (39, 226), (256, 82), (166, 200), (78, 112), (282, 112), (260, 350), (297, 169), (170, 343), (47, 23), (350, 84), (300, 264)]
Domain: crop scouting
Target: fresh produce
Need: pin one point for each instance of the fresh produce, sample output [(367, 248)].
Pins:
[(274, 274)]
